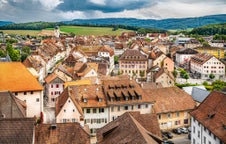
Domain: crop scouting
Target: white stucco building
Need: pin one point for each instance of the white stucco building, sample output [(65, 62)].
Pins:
[(54, 86), (184, 55), (202, 65), (17, 79), (208, 120)]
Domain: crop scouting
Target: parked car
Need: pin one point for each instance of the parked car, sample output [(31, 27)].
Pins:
[(164, 137), (168, 142), (177, 131), (167, 134), (189, 129), (184, 130)]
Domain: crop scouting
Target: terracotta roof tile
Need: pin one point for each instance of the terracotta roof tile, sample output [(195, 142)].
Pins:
[(18, 130), (67, 133), (61, 100), (16, 74), (170, 99), (201, 58), (132, 55), (91, 93), (106, 49), (161, 71), (120, 89), (138, 126), (11, 106), (211, 113)]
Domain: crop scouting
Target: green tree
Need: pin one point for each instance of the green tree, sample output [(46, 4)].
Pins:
[(2, 53), (11, 41), (14, 54), (25, 52), (205, 44), (211, 76), (142, 74), (116, 59), (218, 85), (175, 73), (186, 76), (182, 72), (147, 40), (115, 28), (205, 83), (141, 31)]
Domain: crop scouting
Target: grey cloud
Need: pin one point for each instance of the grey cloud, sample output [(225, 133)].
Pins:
[(110, 5), (40, 10)]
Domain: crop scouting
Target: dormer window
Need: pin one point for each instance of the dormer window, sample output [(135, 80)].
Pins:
[(85, 100), (100, 99), (126, 98)]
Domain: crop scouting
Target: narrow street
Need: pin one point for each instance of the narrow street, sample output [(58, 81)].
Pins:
[(49, 115), (181, 139)]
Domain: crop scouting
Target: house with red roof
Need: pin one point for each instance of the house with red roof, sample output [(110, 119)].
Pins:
[(14, 77)]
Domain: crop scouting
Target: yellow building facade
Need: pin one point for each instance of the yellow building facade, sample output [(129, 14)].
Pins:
[(168, 121), (215, 51)]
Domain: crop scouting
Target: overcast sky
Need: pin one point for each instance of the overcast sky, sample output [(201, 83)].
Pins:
[(59, 10)]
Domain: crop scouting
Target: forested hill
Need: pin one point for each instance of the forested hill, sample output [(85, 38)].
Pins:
[(29, 26), (210, 29), (127, 23), (2, 23), (174, 23)]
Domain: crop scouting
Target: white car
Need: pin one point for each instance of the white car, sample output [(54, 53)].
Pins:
[(184, 130)]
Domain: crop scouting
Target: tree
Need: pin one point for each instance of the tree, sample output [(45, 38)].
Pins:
[(218, 85), (182, 72), (186, 76), (211, 76), (205, 44), (26, 51), (141, 31), (2, 53), (147, 40), (115, 28), (14, 54), (11, 41), (142, 74), (175, 73), (116, 59)]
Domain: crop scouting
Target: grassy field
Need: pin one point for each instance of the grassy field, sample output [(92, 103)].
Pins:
[(78, 30), (97, 31), (22, 32)]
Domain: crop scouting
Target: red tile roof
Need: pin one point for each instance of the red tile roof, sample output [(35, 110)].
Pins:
[(106, 49), (136, 55), (211, 113), (170, 99), (16, 78), (61, 133), (131, 127), (18, 130), (64, 96), (11, 106), (201, 58), (120, 89)]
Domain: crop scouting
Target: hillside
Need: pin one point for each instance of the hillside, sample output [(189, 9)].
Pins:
[(2, 23), (29, 26), (174, 23), (211, 29), (125, 23)]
